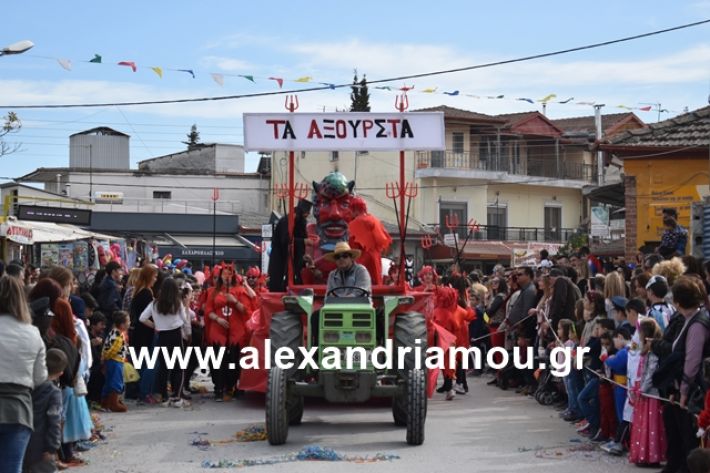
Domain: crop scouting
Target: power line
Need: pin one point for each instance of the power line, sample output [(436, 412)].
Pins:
[(391, 79)]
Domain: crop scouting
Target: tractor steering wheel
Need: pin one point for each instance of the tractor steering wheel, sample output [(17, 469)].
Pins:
[(333, 292)]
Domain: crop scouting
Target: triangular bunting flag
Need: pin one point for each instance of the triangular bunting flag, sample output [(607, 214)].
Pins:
[(218, 78), (189, 71), (584, 103), (384, 87), (97, 59), (251, 78), (647, 108), (304, 79), (474, 96), (65, 63), (158, 70), (406, 88), (330, 86), (430, 90), (623, 107), (525, 100), (278, 80), (453, 94), (567, 101), (548, 98), (130, 64)]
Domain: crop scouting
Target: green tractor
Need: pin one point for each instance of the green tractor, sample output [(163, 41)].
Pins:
[(348, 324)]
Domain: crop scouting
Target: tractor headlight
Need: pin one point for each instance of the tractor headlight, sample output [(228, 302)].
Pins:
[(363, 337), (330, 336)]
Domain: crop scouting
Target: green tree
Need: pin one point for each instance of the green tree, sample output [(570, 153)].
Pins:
[(11, 124), (359, 97), (193, 139)]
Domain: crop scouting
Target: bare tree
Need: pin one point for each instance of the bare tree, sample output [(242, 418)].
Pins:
[(11, 124)]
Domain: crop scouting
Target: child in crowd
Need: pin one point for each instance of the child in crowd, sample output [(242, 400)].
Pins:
[(190, 294), (617, 365), (620, 317), (648, 438), (114, 356), (660, 310), (97, 330), (47, 417), (607, 411), (567, 335)]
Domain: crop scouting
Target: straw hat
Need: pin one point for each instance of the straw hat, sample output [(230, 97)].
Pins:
[(342, 247)]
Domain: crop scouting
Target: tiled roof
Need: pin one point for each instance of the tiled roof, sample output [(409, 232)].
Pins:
[(512, 118), (688, 130), (582, 125), (457, 113)]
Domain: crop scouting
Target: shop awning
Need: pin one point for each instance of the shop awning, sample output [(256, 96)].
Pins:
[(29, 232), (201, 240)]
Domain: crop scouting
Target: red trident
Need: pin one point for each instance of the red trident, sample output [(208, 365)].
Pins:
[(411, 190), (401, 102), (393, 191), (281, 192), (427, 242), (291, 103), (300, 191)]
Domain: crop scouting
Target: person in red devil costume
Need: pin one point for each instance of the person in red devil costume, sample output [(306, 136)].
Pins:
[(368, 234), (428, 278), (227, 329), (332, 199), (444, 314)]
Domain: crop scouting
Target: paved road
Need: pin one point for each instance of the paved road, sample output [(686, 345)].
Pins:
[(487, 430)]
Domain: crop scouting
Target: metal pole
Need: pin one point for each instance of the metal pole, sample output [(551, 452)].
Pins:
[(214, 230), (600, 154), (557, 155), (91, 174)]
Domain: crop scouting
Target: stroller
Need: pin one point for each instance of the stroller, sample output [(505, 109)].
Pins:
[(550, 389)]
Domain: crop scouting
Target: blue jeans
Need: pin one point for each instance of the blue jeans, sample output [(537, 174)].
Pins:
[(573, 384), (14, 439), (588, 401)]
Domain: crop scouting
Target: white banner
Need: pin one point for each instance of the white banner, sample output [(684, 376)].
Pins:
[(356, 131)]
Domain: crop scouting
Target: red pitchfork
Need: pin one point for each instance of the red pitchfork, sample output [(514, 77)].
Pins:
[(281, 192), (401, 102), (473, 227), (291, 103), (426, 242), (452, 222), (393, 191), (300, 191), (411, 190)]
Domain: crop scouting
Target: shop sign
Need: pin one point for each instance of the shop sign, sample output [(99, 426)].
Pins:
[(21, 235)]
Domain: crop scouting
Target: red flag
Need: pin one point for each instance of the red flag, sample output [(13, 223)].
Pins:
[(645, 109), (130, 64), (278, 80)]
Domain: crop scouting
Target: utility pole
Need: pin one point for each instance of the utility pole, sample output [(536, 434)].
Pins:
[(91, 174), (599, 133)]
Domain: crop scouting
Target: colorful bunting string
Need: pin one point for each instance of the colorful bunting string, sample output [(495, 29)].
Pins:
[(219, 79)]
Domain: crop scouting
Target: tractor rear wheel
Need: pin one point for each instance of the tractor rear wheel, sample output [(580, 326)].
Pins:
[(416, 406)]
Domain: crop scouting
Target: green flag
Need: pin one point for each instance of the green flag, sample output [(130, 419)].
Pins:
[(97, 59)]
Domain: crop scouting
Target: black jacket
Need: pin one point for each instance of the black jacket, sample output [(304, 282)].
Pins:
[(563, 302), (278, 259), (47, 410)]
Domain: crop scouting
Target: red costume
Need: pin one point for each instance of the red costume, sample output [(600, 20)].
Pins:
[(368, 234)]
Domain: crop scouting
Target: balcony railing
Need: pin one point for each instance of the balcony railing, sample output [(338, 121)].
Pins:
[(496, 233), (525, 167)]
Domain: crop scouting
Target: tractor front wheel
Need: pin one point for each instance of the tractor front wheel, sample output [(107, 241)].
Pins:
[(416, 406), (277, 416)]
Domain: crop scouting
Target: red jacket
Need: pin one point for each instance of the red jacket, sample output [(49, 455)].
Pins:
[(704, 416), (236, 333)]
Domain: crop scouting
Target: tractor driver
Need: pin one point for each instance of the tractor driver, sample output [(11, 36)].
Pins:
[(349, 279)]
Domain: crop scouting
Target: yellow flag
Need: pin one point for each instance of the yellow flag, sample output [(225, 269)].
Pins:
[(548, 98), (158, 70), (304, 79), (430, 90)]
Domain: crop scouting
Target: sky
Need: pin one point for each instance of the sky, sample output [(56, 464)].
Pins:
[(328, 40)]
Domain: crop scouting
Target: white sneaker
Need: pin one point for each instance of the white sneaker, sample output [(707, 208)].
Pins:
[(450, 395), (459, 388), (167, 403), (181, 403)]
